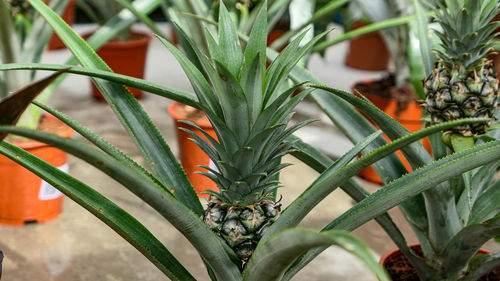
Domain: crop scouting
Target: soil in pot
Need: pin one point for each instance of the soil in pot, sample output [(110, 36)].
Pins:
[(400, 268), (24, 197), (190, 154), (125, 57), (398, 102), (367, 52)]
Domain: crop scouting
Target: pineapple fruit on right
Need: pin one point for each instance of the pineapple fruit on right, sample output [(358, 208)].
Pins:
[(463, 83), (250, 107)]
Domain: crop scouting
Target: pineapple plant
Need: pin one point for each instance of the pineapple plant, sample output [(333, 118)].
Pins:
[(249, 107), (463, 83)]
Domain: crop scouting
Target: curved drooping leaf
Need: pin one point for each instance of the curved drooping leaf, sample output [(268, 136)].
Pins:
[(482, 265), (321, 187), (135, 120), (439, 201), (320, 162), (101, 143), (12, 107), (418, 155), (148, 86), (116, 218), (346, 158), (364, 30), (416, 182), (486, 205), (274, 256), (407, 186), (203, 239), (465, 244), (105, 33), (347, 119)]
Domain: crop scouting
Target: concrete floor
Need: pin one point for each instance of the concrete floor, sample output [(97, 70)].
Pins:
[(77, 246)]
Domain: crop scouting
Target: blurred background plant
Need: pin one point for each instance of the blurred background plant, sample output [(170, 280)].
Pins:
[(23, 38), (101, 11)]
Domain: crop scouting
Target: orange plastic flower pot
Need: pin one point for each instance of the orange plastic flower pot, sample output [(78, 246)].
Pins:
[(410, 118), (367, 52), (68, 16), (125, 57), (24, 197), (190, 154), (400, 269)]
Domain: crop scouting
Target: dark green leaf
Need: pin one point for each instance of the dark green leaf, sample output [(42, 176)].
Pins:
[(275, 255), (138, 124), (12, 107), (116, 218)]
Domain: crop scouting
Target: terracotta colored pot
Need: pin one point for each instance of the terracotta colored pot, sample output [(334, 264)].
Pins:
[(68, 16), (400, 269), (367, 52), (24, 197), (190, 154), (410, 117), (125, 57)]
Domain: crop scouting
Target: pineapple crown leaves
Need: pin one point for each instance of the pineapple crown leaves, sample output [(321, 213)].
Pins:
[(247, 104), (467, 31)]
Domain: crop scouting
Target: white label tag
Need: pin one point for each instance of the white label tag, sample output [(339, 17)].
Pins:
[(47, 191), (212, 166)]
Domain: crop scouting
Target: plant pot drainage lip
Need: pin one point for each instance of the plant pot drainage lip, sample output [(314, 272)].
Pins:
[(172, 111), (138, 39), (29, 144)]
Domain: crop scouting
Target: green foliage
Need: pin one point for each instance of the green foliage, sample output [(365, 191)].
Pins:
[(246, 104)]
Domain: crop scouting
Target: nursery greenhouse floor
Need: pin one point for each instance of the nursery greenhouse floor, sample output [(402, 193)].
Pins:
[(77, 246)]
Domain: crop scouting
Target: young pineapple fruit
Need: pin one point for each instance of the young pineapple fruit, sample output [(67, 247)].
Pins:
[(249, 108), (463, 83)]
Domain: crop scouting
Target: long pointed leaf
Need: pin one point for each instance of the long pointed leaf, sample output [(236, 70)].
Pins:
[(205, 241), (482, 265), (406, 187), (116, 218), (148, 86), (12, 107), (101, 143), (416, 182), (318, 190), (487, 205), (320, 162), (272, 257), (228, 42), (146, 136), (104, 33), (467, 242)]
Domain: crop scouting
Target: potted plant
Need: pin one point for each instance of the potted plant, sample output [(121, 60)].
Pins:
[(25, 197), (243, 13), (129, 44), (367, 52), (397, 93), (24, 37), (278, 249), (463, 213)]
